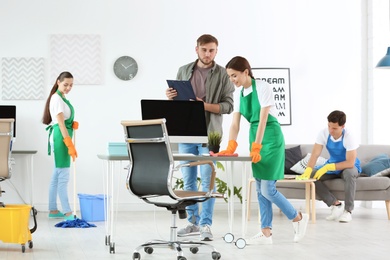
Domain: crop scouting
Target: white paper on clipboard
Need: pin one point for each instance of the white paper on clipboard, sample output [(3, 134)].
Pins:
[(183, 88)]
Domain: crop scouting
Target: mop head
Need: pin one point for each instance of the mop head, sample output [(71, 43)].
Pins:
[(76, 223)]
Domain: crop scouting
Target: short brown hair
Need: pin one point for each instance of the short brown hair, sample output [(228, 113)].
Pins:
[(206, 38), (337, 117)]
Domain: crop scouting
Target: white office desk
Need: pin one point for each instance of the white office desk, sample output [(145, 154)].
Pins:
[(109, 187), (29, 157)]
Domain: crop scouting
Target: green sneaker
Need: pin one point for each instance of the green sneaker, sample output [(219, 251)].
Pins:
[(70, 217), (56, 215)]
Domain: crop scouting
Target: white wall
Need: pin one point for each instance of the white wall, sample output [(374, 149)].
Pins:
[(320, 41), (381, 77)]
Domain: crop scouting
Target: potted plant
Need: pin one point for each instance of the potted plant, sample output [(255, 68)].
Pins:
[(214, 141)]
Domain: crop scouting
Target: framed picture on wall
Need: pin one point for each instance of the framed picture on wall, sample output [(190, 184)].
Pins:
[(279, 79)]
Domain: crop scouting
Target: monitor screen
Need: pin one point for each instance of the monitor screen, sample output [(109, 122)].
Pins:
[(9, 112), (185, 120)]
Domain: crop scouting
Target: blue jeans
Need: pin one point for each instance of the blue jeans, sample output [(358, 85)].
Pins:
[(190, 175), (268, 194), (59, 185)]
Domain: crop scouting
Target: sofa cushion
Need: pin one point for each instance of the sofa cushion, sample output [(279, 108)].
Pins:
[(362, 184), (293, 155), (301, 165), (377, 164)]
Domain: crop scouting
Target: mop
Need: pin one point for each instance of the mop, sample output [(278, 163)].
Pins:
[(76, 222)]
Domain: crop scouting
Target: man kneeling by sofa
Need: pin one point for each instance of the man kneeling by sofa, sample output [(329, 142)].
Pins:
[(343, 163)]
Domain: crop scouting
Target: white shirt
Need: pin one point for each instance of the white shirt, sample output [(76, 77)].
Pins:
[(57, 106), (264, 94), (349, 142)]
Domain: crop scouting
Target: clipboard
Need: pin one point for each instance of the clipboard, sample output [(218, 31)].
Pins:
[(183, 88)]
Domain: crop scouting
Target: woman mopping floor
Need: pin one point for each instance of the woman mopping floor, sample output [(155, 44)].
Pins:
[(59, 115)]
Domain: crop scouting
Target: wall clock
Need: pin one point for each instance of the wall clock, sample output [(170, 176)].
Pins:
[(125, 68)]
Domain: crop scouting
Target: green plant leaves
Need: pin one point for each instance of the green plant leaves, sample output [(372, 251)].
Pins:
[(221, 186), (214, 138)]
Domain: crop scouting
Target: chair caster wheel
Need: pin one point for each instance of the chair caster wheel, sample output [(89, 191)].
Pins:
[(148, 250), (136, 256), (215, 255), (181, 258), (194, 250), (112, 248)]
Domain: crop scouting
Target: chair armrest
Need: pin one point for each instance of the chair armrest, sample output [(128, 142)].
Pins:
[(196, 163)]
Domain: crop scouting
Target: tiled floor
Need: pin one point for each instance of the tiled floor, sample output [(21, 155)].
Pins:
[(366, 237)]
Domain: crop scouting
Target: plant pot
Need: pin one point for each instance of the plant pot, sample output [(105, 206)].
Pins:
[(214, 148)]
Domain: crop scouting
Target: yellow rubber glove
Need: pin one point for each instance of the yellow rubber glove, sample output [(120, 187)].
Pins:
[(231, 148), (71, 149), (305, 175), (75, 125), (324, 169), (255, 152)]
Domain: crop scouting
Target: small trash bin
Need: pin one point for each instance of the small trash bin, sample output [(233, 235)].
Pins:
[(92, 207)]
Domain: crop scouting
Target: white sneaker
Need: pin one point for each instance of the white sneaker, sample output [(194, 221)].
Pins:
[(205, 233), (189, 230), (300, 227), (336, 212), (345, 217), (259, 239)]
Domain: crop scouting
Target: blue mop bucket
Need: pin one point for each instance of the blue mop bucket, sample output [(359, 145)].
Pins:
[(92, 207)]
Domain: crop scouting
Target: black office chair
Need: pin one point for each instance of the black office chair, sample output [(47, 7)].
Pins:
[(150, 178), (6, 135)]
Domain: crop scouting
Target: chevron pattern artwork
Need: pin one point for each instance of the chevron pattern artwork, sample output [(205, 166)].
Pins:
[(80, 54), (23, 78)]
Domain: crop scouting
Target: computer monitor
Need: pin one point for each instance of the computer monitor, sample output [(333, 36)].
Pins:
[(185, 120), (9, 112)]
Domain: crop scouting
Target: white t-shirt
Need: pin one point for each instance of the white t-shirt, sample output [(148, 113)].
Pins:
[(349, 142), (57, 106), (264, 94)]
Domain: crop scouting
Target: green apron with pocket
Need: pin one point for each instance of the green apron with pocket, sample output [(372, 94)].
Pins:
[(271, 165), (61, 156)]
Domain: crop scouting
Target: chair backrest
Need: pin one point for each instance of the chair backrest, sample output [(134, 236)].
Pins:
[(151, 159), (6, 135)]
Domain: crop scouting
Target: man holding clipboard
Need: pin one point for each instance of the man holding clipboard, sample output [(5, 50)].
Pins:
[(211, 85), (183, 89)]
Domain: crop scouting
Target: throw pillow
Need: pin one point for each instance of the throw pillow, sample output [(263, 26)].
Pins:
[(300, 166), (293, 155), (384, 173), (377, 164)]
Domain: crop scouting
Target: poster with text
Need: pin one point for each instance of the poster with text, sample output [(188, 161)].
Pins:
[(279, 79)]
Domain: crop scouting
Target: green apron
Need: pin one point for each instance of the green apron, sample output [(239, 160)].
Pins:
[(271, 165), (61, 156)]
